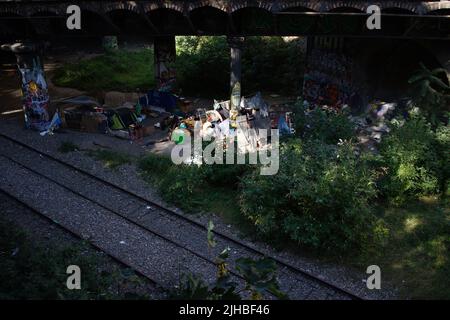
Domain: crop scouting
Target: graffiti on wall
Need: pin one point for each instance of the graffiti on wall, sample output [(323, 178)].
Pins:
[(165, 54), (35, 97), (328, 76)]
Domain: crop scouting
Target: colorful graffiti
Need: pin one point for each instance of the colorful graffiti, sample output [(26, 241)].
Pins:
[(35, 97), (165, 54), (328, 76)]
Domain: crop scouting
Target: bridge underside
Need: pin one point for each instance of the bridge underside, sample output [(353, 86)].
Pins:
[(45, 20), (424, 26)]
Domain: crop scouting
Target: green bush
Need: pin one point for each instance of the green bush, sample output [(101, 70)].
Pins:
[(29, 271), (443, 147), (185, 185), (176, 183), (273, 65), (203, 66), (180, 184), (415, 160), (268, 63), (154, 162), (319, 124), (319, 198), (116, 70)]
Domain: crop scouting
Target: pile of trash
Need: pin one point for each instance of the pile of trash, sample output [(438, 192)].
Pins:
[(162, 111), (221, 121), (130, 120), (373, 123)]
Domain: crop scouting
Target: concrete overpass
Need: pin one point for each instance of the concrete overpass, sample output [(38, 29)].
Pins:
[(424, 22), (47, 19)]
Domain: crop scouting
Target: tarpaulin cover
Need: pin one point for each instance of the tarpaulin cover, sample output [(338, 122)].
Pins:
[(159, 99)]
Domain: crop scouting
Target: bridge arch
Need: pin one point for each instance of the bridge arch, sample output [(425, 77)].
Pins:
[(344, 6), (121, 6), (208, 3), (209, 20), (169, 21), (346, 9), (397, 10), (128, 21), (13, 25), (175, 6), (244, 4), (299, 6), (253, 20)]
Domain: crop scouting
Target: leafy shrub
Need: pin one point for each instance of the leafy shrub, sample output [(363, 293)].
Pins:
[(268, 63), (154, 162), (319, 198), (414, 165), (272, 64), (443, 146), (180, 183), (185, 185), (202, 66), (431, 92), (116, 70), (319, 124), (258, 275), (35, 272)]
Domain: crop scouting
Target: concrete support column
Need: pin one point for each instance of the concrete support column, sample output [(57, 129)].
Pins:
[(35, 97), (165, 54), (236, 44)]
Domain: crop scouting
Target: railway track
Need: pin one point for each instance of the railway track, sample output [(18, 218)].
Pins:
[(156, 220)]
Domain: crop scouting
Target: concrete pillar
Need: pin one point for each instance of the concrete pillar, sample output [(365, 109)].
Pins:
[(165, 54), (236, 45), (35, 97)]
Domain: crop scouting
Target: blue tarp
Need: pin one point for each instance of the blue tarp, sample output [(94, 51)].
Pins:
[(159, 99)]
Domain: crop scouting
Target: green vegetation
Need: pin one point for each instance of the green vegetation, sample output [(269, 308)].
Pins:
[(268, 64), (328, 196), (430, 92), (68, 146), (202, 68), (320, 197), (115, 70), (111, 159), (415, 255), (259, 276), (327, 126), (36, 272), (197, 188), (416, 159)]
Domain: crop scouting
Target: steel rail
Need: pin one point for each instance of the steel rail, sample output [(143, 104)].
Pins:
[(222, 235)]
